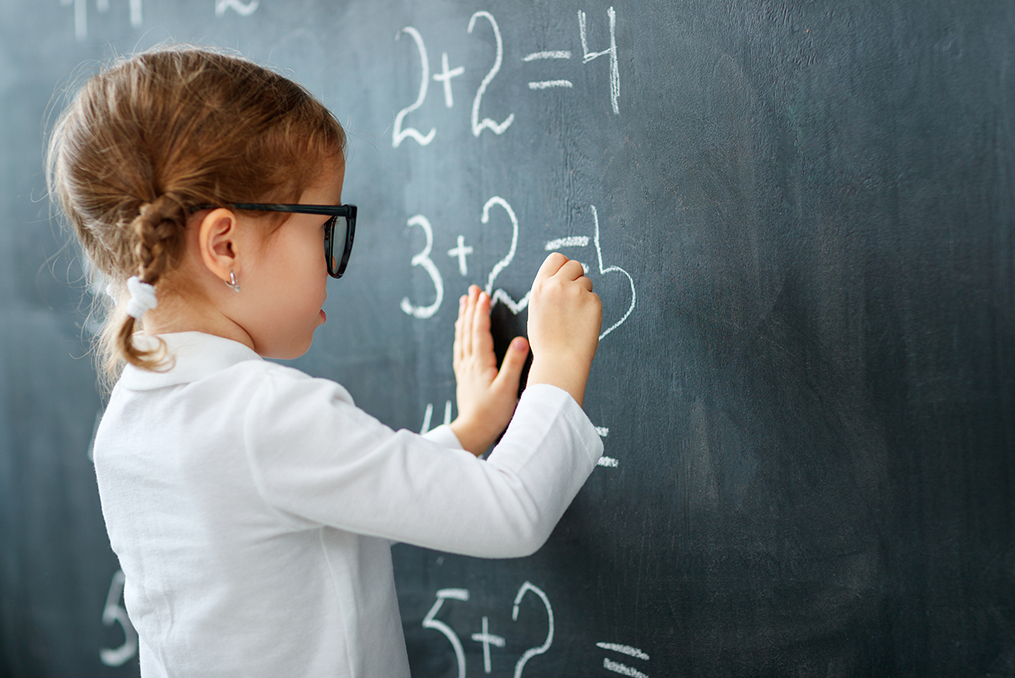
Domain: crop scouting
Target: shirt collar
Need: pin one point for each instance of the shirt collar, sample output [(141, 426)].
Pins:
[(190, 356)]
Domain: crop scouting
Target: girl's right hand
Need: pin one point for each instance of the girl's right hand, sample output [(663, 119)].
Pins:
[(565, 316)]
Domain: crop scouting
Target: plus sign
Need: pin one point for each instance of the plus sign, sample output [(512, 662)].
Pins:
[(461, 252), (487, 639), (445, 77)]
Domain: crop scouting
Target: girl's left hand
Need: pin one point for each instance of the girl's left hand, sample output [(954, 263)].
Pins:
[(486, 396)]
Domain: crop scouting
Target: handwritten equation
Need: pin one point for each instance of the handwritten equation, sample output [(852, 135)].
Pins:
[(459, 255), (461, 252), (137, 11), (485, 636), (400, 132)]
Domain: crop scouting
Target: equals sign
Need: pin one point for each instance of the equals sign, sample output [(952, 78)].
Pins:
[(617, 667), (570, 241), (608, 462), (546, 84)]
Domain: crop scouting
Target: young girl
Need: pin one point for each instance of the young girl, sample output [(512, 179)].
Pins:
[(252, 507)]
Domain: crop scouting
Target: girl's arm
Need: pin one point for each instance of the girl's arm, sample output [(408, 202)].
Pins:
[(318, 460)]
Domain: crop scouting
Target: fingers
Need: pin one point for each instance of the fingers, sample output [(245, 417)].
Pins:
[(458, 347), (510, 373), (551, 265), (572, 270), (468, 319), (482, 340), (472, 329), (557, 264)]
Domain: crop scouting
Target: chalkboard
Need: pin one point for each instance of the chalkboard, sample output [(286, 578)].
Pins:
[(801, 220)]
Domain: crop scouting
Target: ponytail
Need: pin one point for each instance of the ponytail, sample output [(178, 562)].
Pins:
[(159, 235)]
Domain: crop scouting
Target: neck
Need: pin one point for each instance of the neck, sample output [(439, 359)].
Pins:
[(175, 314)]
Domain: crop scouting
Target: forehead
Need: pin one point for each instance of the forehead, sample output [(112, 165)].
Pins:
[(327, 188)]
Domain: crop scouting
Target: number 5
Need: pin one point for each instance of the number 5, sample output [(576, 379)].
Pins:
[(430, 622), (112, 614)]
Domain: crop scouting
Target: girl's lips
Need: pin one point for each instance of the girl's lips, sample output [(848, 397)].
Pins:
[(324, 316)]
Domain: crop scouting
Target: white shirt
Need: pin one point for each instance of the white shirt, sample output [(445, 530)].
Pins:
[(252, 508)]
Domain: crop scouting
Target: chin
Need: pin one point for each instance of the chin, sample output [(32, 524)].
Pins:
[(289, 351)]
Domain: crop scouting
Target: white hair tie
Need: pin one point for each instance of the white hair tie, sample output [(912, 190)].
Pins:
[(142, 298)]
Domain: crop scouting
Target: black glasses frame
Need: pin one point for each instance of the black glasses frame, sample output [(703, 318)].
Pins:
[(336, 267)]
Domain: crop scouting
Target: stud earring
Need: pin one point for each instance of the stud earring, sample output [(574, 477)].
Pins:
[(232, 284)]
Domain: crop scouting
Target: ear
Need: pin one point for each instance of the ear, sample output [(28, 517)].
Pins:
[(219, 242)]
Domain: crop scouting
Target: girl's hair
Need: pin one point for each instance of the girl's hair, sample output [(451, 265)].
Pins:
[(153, 137)]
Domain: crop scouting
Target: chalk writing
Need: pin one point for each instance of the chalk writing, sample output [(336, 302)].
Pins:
[(81, 14), (495, 127), (423, 259), (137, 11), (545, 84), (398, 134), (617, 667), (608, 462), (487, 639), (113, 613), (431, 622), (447, 74), (490, 640), (612, 51), (461, 252), (624, 649), (622, 669), (612, 269), (484, 636), (429, 414), (500, 295), (581, 241), (570, 241), (241, 8), (444, 77), (586, 57), (534, 651)]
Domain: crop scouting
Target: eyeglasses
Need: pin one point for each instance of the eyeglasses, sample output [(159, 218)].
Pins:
[(340, 228)]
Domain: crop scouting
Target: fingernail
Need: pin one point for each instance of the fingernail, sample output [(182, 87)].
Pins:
[(518, 344)]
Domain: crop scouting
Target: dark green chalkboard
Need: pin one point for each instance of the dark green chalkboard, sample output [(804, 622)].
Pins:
[(801, 219)]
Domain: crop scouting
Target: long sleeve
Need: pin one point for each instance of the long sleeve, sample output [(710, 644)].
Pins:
[(443, 435), (321, 461)]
